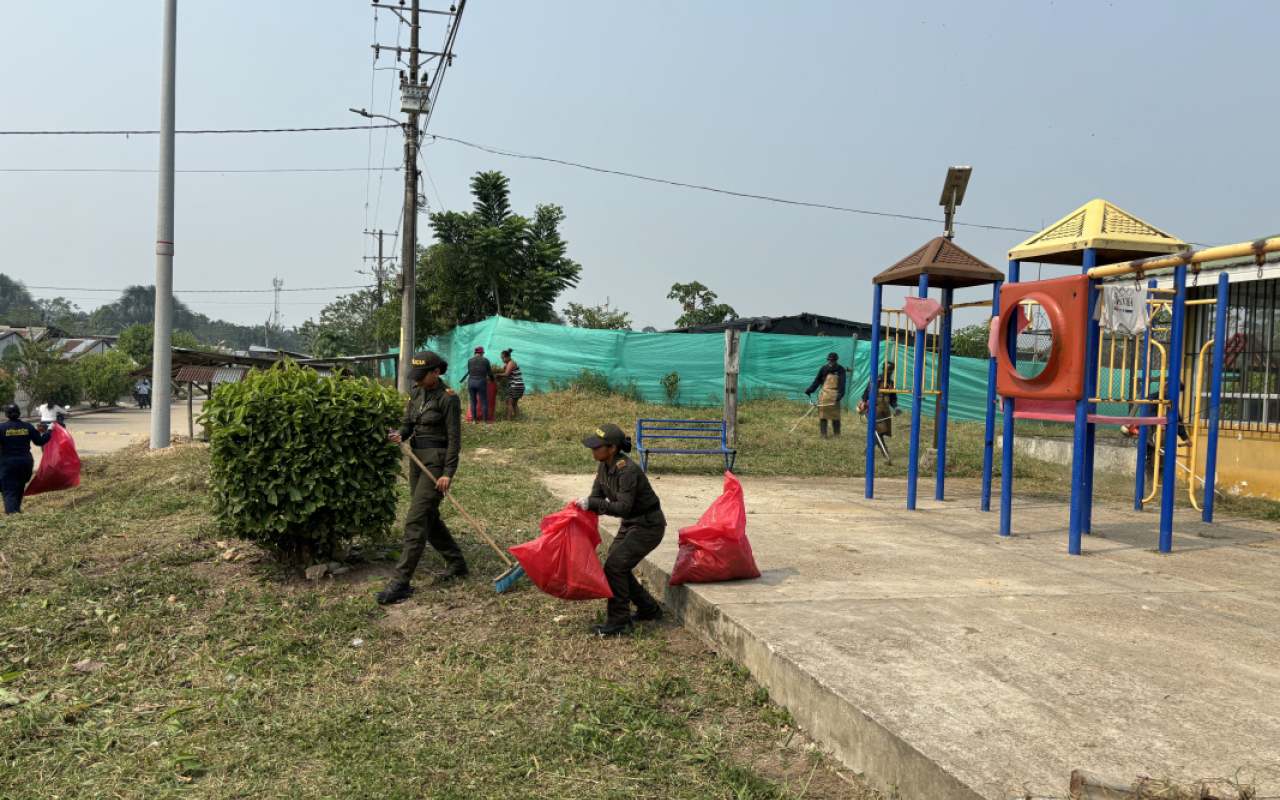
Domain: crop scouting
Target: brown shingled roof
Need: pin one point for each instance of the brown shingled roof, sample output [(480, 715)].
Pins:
[(946, 264)]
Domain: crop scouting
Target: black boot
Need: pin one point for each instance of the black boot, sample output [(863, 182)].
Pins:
[(393, 593), (822, 428), (653, 615), (458, 569), (611, 629), (835, 426)]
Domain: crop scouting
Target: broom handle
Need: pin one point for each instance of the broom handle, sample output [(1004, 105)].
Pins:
[(505, 558)]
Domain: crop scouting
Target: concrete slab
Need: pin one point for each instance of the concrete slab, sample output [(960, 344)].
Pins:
[(938, 658), (107, 430)]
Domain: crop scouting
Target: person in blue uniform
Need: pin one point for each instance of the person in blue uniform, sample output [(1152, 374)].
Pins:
[(16, 462)]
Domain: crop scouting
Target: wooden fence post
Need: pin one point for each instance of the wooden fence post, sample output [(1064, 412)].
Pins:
[(732, 342)]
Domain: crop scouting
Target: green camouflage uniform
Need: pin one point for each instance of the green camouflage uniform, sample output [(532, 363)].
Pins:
[(433, 428)]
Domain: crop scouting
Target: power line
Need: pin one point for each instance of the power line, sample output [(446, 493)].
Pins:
[(225, 130), (513, 154), (201, 291), (209, 171)]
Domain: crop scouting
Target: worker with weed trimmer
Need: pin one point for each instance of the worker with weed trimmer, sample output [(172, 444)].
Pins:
[(622, 490), (433, 428), (830, 385)]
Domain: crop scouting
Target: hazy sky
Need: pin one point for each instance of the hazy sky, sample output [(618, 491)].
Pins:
[(1161, 108)]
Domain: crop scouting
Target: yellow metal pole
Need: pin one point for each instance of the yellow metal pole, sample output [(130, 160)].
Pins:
[(1142, 265), (1195, 427)]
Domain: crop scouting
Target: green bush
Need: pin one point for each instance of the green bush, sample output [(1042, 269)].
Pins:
[(106, 377), (8, 388), (596, 383), (301, 464), (671, 386), (46, 375), (971, 341)]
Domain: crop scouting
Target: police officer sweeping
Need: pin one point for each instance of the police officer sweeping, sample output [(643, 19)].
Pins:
[(433, 428), (16, 463), (622, 490)]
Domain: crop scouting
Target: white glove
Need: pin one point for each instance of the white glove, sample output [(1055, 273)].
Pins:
[(582, 503)]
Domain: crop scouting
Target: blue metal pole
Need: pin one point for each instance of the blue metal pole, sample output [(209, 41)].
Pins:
[(1006, 456), (873, 396), (1140, 476), (1215, 398), (1174, 377), (917, 401), (1091, 390), (944, 383), (1080, 447), (988, 449)]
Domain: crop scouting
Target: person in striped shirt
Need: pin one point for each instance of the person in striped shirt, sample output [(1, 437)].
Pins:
[(515, 385)]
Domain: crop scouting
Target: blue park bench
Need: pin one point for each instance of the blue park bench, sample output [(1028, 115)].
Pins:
[(709, 431)]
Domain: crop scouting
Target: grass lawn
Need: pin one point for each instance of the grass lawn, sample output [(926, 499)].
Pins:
[(139, 661), (551, 426), (140, 657)]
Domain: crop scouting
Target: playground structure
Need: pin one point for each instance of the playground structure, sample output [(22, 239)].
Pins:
[(1075, 368), (948, 267)]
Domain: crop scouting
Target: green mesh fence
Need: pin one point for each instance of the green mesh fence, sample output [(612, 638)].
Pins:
[(771, 365)]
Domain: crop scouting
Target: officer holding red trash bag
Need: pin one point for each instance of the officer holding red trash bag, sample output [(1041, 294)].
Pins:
[(16, 463), (622, 490)]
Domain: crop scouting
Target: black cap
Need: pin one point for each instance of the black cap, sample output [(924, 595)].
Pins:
[(12, 411), (423, 362), (832, 357), (605, 434)]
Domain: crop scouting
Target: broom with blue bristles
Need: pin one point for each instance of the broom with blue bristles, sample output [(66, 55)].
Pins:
[(514, 571)]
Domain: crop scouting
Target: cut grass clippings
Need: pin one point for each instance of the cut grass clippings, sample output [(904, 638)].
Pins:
[(138, 661), (551, 426)]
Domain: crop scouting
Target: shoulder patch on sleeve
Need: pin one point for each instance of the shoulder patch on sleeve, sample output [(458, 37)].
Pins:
[(621, 464), (450, 391)]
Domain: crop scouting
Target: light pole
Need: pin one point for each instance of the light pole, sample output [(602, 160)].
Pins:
[(161, 354)]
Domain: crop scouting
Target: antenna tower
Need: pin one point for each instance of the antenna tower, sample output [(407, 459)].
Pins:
[(276, 283)]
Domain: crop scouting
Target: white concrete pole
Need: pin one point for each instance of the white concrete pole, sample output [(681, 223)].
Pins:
[(162, 355)]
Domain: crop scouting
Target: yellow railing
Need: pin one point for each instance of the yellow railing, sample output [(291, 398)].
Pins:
[(1195, 427), (898, 326)]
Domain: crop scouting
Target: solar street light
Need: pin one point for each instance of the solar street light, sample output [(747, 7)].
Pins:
[(953, 195)]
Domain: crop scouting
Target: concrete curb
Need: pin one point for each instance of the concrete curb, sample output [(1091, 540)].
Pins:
[(853, 736)]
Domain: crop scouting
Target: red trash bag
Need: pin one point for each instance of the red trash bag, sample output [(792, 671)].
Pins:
[(563, 562), (59, 465), (716, 549), (493, 401)]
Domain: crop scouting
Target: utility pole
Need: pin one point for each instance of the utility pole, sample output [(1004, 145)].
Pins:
[(417, 99), (380, 270), (379, 280), (409, 244), (161, 353)]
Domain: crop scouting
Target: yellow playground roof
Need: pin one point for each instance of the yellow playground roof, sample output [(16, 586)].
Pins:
[(1114, 233)]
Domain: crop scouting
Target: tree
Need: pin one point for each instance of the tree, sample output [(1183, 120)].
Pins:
[(699, 305), (46, 375), (8, 387), (493, 261), (597, 317), (17, 306), (971, 341), (138, 342), (60, 312), (106, 377)]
